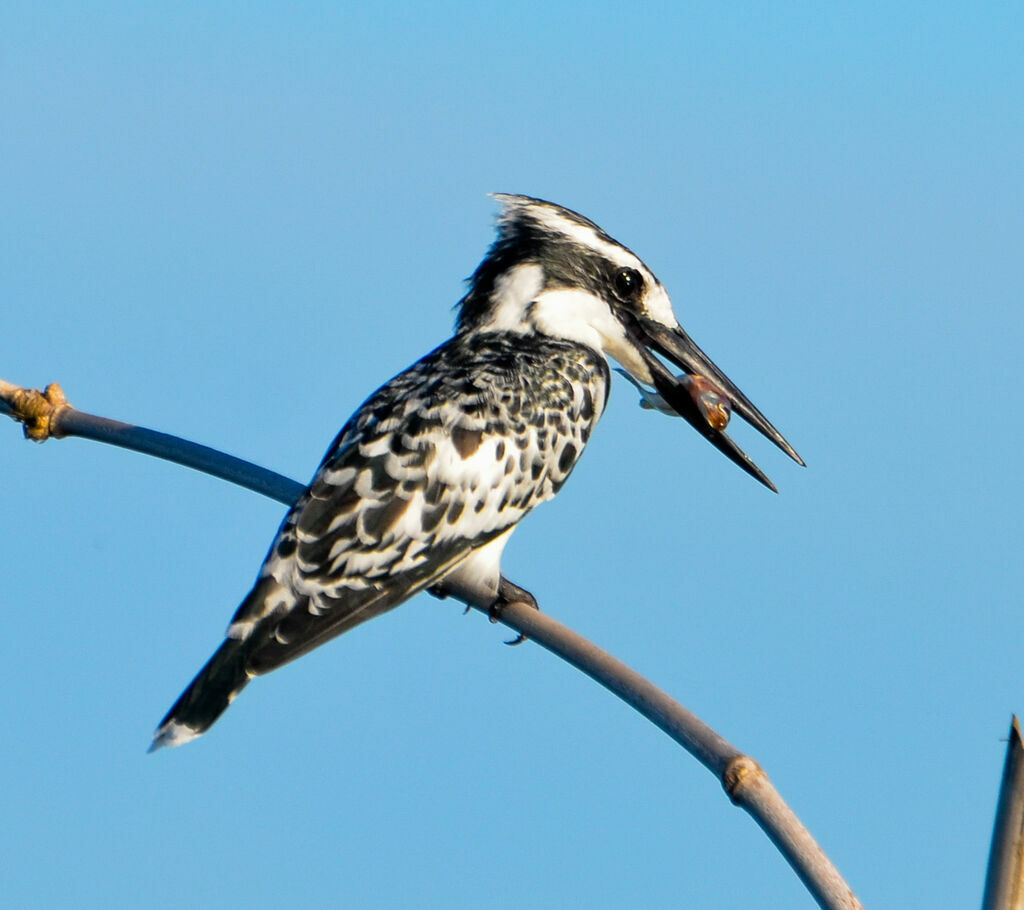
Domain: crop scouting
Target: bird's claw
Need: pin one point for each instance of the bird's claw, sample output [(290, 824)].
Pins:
[(511, 593), (494, 612)]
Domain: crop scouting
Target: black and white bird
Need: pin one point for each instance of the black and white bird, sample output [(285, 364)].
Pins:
[(424, 484)]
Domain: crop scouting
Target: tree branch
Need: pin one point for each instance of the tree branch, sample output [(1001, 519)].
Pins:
[(1004, 883), (48, 413)]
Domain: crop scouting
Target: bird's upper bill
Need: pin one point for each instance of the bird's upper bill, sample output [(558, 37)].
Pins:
[(554, 272)]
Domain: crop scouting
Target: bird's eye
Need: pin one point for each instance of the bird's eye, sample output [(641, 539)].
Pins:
[(629, 284)]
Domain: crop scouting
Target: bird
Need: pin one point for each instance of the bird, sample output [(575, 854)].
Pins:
[(422, 487)]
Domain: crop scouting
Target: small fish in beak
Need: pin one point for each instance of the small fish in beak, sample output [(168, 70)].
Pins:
[(712, 402)]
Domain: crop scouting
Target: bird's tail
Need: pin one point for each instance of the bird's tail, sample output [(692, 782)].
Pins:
[(208, 695)]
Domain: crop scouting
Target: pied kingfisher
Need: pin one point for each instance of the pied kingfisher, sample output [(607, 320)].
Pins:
[(424, 484)]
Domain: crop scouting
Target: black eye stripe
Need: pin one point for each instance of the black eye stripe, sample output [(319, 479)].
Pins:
[(629, 284)]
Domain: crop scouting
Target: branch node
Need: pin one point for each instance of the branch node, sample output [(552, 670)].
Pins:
[(740, 774), (38, 411)]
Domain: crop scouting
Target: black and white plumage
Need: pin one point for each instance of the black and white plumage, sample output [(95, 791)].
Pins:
[(425, 483)]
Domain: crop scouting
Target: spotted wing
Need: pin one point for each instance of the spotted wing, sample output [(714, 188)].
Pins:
[(442, 460), (439, 462)]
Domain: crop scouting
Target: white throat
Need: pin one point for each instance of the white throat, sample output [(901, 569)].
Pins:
[(520, 304), (576, 315)]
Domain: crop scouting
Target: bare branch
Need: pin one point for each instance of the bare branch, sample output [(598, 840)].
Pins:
[(1004, 883), (742, 778), (48, 414)]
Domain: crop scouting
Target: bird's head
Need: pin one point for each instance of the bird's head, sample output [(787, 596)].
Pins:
[(555, 273)]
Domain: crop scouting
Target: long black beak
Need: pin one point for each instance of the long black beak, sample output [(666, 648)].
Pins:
[(677, 347)]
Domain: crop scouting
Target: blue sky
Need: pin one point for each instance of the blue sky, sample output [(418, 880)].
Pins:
[(233, 223)]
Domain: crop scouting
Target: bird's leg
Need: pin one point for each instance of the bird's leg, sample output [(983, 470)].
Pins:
[(510, 593)]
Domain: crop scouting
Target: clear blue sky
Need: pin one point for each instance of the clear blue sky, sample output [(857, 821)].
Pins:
[(234, 222)]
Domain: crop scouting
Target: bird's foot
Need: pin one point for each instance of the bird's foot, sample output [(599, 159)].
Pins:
[(509, 593)]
